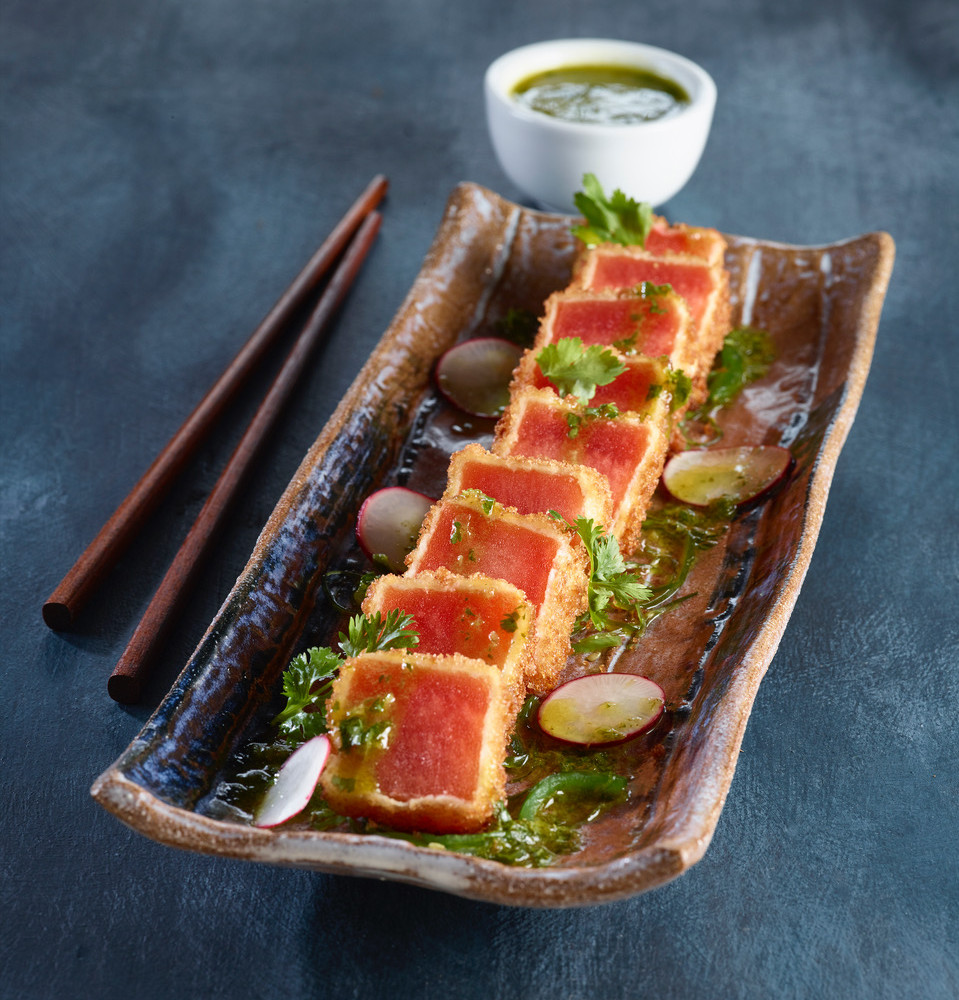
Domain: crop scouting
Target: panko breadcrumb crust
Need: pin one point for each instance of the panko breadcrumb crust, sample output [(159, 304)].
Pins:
[(565, 592), (350, 786)]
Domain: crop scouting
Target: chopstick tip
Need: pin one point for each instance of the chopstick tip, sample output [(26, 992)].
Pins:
[(57, 616), (124, 689)]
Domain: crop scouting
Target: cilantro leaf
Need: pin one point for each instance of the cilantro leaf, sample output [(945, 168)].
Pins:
[(306, 683), (577, 370), (617, 219), (371, 634), (612, 585)]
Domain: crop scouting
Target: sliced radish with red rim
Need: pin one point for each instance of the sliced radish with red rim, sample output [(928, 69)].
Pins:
[(389, 523), (601, 709), (295, 783), (476, 374), (739, 474)]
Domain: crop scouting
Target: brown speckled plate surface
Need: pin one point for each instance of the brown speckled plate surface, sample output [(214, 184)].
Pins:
[(821, 305)]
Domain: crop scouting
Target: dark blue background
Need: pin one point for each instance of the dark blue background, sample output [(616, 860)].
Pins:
[(167, 167)]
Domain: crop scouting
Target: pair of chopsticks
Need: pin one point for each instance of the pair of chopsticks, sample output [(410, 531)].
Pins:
[(355, 233)]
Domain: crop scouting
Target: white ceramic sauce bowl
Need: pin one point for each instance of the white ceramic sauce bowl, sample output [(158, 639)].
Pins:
[(546, 157)]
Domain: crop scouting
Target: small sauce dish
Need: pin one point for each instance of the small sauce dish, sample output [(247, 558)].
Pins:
[(546, 156)]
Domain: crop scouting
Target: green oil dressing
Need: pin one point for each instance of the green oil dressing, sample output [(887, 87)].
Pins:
[(601, 94)]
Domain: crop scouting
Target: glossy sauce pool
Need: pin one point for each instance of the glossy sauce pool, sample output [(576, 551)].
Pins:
[(601, 94)]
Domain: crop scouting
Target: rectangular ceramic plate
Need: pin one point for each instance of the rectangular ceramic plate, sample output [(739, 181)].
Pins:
[(821, 305)]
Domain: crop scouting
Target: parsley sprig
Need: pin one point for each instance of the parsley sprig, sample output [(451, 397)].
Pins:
[(616, 219), (368, 634), (576, 370), (306, 685), (612, 585), (310, 675), (679, 385)]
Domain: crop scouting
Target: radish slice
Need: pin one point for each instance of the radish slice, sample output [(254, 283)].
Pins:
[(475, 375), (741, 474), (295, 783), (601, 708), (389, 523)]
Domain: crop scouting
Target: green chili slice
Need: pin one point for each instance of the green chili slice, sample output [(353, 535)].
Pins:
[(582, 784)]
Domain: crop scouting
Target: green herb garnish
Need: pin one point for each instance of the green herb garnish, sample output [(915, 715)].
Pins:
[(511, 621), (577, 370), (647, 290), (627, 345), (617, 219), (533, 755), (309, 677), (306, 684), (576, 418), (372, 634), (745, 357), (487, 503), (612, 585), (669, 541), (594, 789), (532, 842), (679, 385), (368, 729)]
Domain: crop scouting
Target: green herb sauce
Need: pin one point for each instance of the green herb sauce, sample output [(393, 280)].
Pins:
[(601, 95)]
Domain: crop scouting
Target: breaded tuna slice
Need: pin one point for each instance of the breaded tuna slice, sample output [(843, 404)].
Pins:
[(649, 319), (646, 387), (475, 616), (468, 534), (531, 485), (418, 741), (628, 450), (705, 287)]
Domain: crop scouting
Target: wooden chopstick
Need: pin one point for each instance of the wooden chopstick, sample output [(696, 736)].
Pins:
[(73, 591), (126, 682)]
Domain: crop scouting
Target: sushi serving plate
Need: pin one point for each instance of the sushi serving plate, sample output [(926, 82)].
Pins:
[(820, 304)]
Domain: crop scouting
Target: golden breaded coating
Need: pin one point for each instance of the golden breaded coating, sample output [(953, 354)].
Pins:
[(418, 741), (475, 616), (627, 449), (704, 286), (467, 535), (531, 485)]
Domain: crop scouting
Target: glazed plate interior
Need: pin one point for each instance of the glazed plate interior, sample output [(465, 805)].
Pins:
[(821, 306)]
